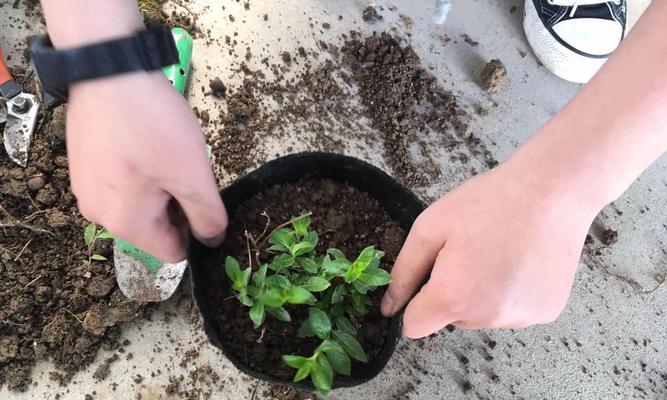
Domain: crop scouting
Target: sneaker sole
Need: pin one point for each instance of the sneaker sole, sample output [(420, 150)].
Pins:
[(561, 61)]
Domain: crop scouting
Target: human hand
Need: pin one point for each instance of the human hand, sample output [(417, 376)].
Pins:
[(501, 250), (138, 163)]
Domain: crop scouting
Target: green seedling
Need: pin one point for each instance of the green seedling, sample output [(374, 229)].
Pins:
[(334, 289), (92, 235)]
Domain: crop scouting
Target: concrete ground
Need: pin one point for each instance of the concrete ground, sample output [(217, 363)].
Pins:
[(611, 341)]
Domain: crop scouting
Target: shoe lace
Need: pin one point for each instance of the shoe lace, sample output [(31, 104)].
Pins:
[(576, 3)]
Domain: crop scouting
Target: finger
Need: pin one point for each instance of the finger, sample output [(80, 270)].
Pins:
[(414, 262), (427, 312), (148, 226), (161, 239), (203, 207)]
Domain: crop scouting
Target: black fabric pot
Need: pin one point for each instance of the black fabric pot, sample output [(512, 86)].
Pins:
[(400, 203)]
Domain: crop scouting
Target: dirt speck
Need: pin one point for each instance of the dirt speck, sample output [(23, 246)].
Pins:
[(218, 88), (609, 236), (493, 76), (370, 14), (469, 40)]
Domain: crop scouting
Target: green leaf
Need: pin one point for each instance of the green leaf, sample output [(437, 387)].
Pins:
[(259, 277), (281, 262), (244, 299), (98, 257), (273, 297), (297, 295), (360, 264), (322, 375), (338, 294), (301, 225), (309, 265), (334, 267), (294, 361), (312, 238), (283, 237), (338, 358), (89, 234), (280, 313), (305, 330), (351, 345), (359, 304), (243, 279), (277, 247), (337, 310), (337, 254), (316, 284), (303, 372), (319, 322), (104, 234), (234, 273), (344, 325), (301, 248), (375, 277), (278, 281), (257, 314), (361, 287)]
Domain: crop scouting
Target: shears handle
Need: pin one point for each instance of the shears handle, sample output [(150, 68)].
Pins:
[(5, 76)]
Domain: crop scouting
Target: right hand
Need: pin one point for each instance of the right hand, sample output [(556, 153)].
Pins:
[(136, 152), (499, 251)]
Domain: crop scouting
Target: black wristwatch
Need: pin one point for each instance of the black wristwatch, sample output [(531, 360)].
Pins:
[(56, 69)]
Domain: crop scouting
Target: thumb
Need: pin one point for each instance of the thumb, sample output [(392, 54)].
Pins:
[(427, 313), (414, 262)]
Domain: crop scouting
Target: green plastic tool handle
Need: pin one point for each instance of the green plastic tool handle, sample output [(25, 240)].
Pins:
[(178, 76), (178, 73)]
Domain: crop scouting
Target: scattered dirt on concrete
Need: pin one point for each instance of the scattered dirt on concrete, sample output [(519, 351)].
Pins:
[(369, 89), (103, 370), (401, 100), (279, 392), (493, 76)]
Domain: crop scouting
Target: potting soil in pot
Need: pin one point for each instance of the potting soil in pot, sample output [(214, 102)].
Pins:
[(346, 219)]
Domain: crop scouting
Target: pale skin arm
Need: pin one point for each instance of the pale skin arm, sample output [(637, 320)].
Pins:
[(501, 250), (136, 151)]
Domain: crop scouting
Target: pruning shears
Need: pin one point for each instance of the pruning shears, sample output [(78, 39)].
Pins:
[(18, 115)]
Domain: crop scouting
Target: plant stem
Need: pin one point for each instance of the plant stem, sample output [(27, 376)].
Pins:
[(266, 239)]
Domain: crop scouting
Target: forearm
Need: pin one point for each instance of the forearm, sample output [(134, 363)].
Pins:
[(76, 22), (615, 127)]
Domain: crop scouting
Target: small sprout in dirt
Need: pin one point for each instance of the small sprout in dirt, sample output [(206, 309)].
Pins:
[(91, 235), (334, 289)]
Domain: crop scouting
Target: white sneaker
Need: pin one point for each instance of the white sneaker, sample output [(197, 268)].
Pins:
[(573, 39)]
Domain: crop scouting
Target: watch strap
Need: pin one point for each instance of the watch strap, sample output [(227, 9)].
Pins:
[(148, 50)]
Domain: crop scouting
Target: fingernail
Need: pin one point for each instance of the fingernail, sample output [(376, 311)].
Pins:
[(387, 305), (214, 241)]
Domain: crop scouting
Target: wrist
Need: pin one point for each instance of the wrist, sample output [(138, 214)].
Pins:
[(101, 21), (555, 168)]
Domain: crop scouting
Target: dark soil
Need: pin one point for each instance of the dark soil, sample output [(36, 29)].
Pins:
[(218, 88), (345, 218), (401, 99), (53, 305), (493, 77), (370, 14)]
